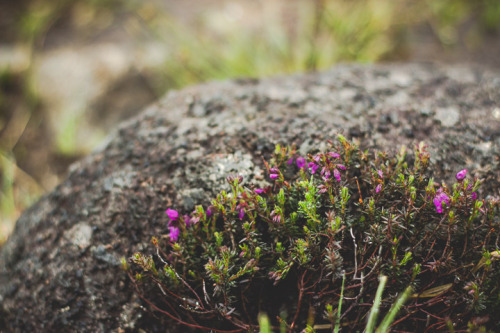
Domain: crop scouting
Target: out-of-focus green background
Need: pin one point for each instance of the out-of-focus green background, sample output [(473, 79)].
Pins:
[(71, 69)]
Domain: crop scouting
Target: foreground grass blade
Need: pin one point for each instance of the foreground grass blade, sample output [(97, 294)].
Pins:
[(264, 325), (370, 326), (389, 318), (337, 321)]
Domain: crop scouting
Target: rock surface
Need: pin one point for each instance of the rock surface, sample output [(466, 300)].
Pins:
[(60, 270)]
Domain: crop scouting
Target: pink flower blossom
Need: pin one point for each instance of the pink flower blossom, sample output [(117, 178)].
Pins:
[(438, 201), (380, 174), (172, 214), (336, 174), (174, 233), (259, 190), (474, 196), (378, 188), (322, 189), (188, 220), (313, 167), (301, 162), (341, 167), (209, 211), (317, 158), (274, 173), (275, 215), (290, 161), (195, 220), (461, 174), (334, 155), (241, 213)]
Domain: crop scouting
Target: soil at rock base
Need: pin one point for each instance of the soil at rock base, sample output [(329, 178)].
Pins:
[(60, 270)]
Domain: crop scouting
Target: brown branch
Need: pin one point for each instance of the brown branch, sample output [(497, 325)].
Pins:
[(300, 285), (180, 321)]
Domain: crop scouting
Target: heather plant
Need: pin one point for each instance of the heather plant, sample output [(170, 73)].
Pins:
[(336, 240)]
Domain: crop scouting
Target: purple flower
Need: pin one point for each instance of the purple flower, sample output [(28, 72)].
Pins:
[(188, 220), (290, 161), (259, 190), (439, 206), (313, 166), (378, 188), (341, 167), (380, 174), (301, 162), (242, 213), (336, 174), (174, 233), (439, 199), (461, 174), (334, 155), (274, 173), (209, 211), (317, 158), (474, 196), (327, 174), (172, 214)]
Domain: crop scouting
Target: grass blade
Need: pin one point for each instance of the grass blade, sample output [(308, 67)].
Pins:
[(337, 321), (264, 326), (370, 326), (389, 318)]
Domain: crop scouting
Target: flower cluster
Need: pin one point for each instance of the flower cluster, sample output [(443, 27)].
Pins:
[(173, 224), (325, 161), (274, 173), (441, 199), (330, 223)]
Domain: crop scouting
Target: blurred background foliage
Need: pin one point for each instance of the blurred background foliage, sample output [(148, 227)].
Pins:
[(71, 69)]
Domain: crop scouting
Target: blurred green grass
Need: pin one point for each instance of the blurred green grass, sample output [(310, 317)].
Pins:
[(295, 36), (319, 34)]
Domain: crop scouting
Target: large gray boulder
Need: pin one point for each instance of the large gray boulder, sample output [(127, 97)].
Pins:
[(60, 270)]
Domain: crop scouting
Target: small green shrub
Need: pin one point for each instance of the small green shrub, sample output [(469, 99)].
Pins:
[(320, 235)]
